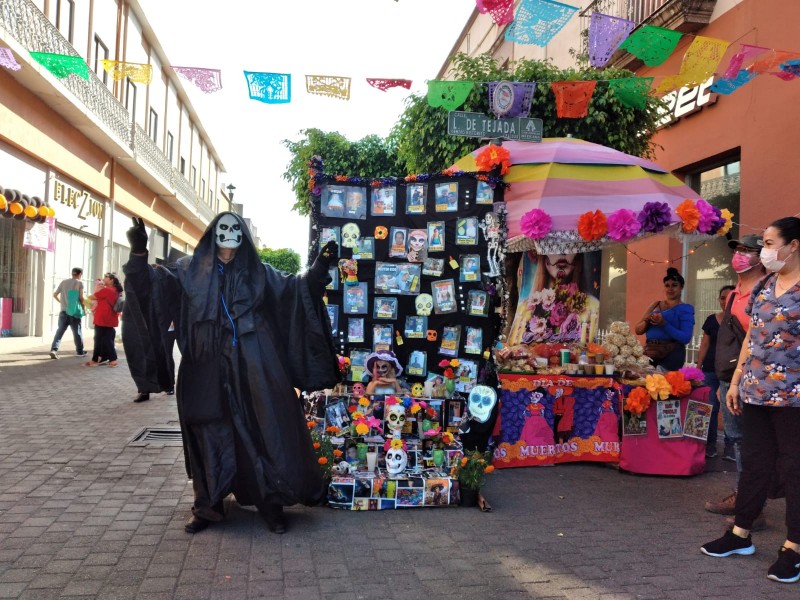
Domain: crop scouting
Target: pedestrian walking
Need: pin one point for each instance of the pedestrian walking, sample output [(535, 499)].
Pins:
[(69, 293), (106, 318)]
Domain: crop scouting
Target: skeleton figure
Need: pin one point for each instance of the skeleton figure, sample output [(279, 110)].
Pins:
[(395, 418), (396, 462), (491, 231)]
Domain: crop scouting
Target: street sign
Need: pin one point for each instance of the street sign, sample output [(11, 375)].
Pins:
[(471, 124)]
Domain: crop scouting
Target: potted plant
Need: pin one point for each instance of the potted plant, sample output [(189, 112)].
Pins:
[(471, 474)]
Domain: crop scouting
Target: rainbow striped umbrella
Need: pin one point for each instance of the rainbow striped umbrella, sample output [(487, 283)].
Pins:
[(566, 177)]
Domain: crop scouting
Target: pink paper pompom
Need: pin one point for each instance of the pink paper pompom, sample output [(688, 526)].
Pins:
[(536, 224), (623, 225), (708, 217), (692, 373)]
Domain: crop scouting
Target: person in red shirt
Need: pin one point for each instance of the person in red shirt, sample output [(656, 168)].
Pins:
[(105, 320)]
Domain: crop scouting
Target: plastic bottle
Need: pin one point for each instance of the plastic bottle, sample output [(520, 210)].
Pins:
[(583, 359)]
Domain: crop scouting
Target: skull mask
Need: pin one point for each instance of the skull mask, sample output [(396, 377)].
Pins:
[(350, 233), (395, 418), (384, 369), (358, 390), (482, 399), (396, 461), (424, 304), (417, 390), (228, 232)]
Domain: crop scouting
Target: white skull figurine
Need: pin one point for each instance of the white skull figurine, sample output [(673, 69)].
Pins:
[(228, 232), (482, 399), (350, 234), (395, 418), (342, 468), (424, 304), (396, 461)]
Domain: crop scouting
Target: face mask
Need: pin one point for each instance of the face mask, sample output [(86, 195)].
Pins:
[(741, 262), (769, 258), (228, 232)]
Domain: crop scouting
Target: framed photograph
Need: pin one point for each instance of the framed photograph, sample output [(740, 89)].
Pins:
[(436, 236), (330, 233), (333, 316), (381, 338), (466, 375), (408, 278), (355, 203), (365, 249), (433, 267), (455, 411), (473, 340), (384, 201), (336, 414), (415, 327), (358, 364), (398, 237), (444, 296), (332, 201), (385, 307), (417, 244), (333, 273), (470, 267), (437, 492), (446, 197), (355, 299), (417, 363), (435, 386), (484, 194), (467, 231), (451, 338), (478, 303), (355, 330), (434, 412), (386, 278), (416, 196)]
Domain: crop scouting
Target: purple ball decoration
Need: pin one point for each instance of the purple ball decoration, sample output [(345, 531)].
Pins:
[(655, 217)]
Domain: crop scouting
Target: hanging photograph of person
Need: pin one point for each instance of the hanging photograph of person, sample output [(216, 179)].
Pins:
[(417, 363), (446, 197), (558, 299), (332, 201), (384, 308), (470, 268), (358, 364), (336, 414), (455, 410), (355, 299), (451, 338), (381, 337), (466, 375), (473, 342), (365, 249), (416, 195), (333, 273), (387, 278), (484, 193), (436, 236), (444, 296), (415, 327), (417, 246), (478, 303), (355, 330), (355, 204), (433, 267), (333, 316), (408, 278), (467, 232), (330, 233), (383, 202), (398, 237)]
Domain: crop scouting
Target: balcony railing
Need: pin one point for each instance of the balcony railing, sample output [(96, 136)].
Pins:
[(146, 150), (633, 10)]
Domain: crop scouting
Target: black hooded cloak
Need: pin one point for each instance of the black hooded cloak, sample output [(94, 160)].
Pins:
[(248, 335)]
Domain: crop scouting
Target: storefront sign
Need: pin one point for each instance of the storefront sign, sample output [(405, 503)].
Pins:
[(469, 124), (87, 207), (686, 101)]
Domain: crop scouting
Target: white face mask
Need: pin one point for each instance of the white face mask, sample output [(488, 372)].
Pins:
[(769, 258), (228, 232)]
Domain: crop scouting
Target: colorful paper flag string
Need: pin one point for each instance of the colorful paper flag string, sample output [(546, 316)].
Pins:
[(501, 11), (606, 33), (62, 65), (8, 61), (728, 85), (136, 72), (771, 64), (208, 80), (746, 51), (448, 94), (701, 59), (328, 85), (538, 21), (517, 106), (572, 98), (652, 44), (271, 88), (385, 84), (792, 66), (631, 91)]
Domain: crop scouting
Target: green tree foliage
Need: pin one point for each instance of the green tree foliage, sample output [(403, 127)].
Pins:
[(283, 259), (371, 156)]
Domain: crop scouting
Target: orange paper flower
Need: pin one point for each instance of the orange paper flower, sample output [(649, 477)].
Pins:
[(658, 387), (637, 401), (680, 387), (362, 429), (492, 156), (690, 216), (593, 225)]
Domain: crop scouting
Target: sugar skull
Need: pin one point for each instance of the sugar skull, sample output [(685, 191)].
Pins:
[(358, 390), (396, 461), (350, 235), (432, 335), (417, 390), (228, 231), (395, 418), (424, 304), (482, 399)]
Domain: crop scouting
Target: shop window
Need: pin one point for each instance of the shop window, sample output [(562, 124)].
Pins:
[(706, 265), (153, 125), (100, 54), (65, 18), (170, 146)]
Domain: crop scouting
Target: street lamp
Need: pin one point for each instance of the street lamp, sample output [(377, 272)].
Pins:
[(230, 187)]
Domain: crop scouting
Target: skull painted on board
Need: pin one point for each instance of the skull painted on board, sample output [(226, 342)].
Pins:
[(424, 304), (482, 399)]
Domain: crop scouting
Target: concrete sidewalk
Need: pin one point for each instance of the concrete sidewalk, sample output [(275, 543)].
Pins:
[(84, 514)]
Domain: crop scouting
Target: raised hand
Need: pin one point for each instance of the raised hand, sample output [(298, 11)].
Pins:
[(329, 254), (137, 236)]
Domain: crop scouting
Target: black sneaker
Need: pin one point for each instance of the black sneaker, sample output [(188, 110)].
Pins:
[(787, 568), (729, 544), (82, 354)]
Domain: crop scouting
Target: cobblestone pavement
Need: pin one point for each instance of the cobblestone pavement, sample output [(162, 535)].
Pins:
[(84, 514)]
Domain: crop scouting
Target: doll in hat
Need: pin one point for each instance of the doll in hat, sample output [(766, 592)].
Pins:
[(384, 369)]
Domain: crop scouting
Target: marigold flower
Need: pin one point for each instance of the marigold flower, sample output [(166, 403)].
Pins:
[(489, 469), (415, 408), (362, 429), (455, 363), (322, 460), (332, 429), (311, 424), (317, 445), (337, 453), (358, 415), (464, 461), (363, 401)]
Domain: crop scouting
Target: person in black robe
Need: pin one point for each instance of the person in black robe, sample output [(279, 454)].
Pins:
[(248, 335)]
